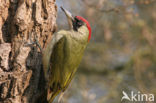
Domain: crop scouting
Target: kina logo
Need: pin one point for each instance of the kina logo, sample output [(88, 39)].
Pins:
[(137, 97)]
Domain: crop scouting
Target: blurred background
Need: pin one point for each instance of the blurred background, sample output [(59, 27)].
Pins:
[(121, 55)]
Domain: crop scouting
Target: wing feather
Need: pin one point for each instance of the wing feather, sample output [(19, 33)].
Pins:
[(48, 52), (53, 55)]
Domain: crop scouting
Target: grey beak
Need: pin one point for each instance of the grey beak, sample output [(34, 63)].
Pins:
[(69, 17)]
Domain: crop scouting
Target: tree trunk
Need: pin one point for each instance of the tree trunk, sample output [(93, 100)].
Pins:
[(21, 74)]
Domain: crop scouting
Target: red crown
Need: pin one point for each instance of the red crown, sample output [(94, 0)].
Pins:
[(88, 25)]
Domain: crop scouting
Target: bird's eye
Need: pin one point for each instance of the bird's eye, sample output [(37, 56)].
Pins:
[(77, 23)]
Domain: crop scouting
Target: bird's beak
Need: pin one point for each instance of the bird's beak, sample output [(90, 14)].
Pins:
[(69, 17)]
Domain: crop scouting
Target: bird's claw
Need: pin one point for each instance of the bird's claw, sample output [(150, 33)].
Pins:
[(32, 43)]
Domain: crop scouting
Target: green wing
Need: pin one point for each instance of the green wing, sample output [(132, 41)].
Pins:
[(55, 69), (53, 57), (60, 61), (48, 52)]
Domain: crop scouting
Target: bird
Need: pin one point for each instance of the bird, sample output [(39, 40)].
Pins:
[(63, 54)]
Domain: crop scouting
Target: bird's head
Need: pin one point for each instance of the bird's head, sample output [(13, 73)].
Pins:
[(77, 22)]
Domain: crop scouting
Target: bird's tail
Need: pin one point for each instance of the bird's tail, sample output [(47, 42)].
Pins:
[(51, 95)]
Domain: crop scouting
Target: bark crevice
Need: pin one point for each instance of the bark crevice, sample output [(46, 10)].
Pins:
[(21, 74)]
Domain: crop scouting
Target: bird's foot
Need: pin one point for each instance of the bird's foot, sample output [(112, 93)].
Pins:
[(32, 43)]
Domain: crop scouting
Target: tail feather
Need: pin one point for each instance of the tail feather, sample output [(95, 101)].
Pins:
[(51, 95)]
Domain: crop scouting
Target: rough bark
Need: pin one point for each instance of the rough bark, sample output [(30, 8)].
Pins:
[(21, 21)]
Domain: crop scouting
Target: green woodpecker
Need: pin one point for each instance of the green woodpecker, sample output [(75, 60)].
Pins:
[(63, 54)]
